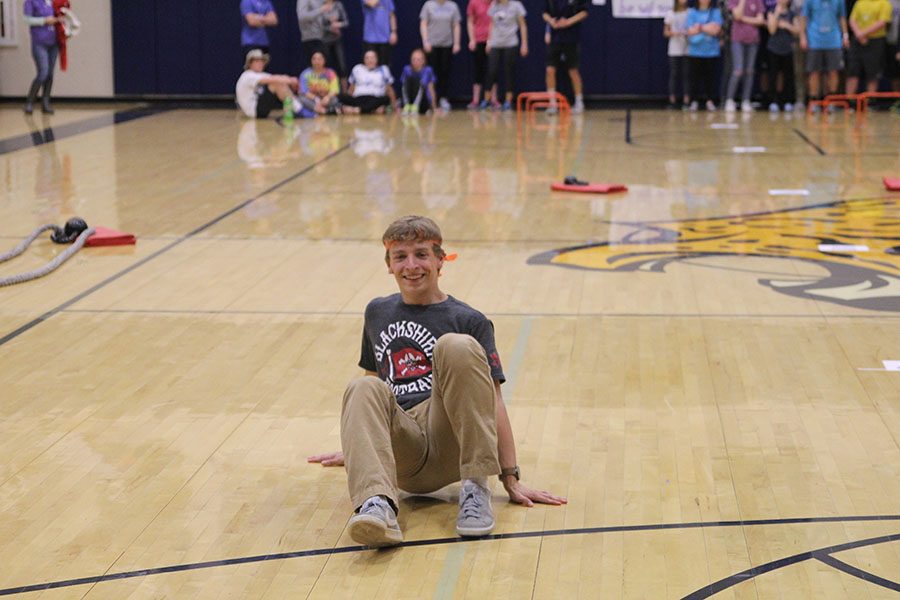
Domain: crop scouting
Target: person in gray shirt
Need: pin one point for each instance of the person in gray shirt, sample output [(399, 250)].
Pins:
[(428, 412), (334, 21), (439, 25), (312, 27), (507, 20)]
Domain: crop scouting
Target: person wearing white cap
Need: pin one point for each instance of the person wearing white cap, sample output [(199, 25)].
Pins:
[(259, 93)]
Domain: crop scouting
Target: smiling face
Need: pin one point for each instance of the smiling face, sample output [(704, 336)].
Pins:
[(318, 61), (416, 269), (370, 59)]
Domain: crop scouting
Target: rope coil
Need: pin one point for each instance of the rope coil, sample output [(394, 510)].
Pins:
[(76, 232)]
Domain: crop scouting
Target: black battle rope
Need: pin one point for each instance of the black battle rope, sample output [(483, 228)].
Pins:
[(76, 233)]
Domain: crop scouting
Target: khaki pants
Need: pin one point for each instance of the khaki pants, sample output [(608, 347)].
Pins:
[(449, 437)]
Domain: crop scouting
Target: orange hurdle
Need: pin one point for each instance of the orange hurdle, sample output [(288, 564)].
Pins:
[(842, 100), (530, 101), (866, 96)]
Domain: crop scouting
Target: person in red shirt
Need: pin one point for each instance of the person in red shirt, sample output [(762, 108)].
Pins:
[(478, 26)]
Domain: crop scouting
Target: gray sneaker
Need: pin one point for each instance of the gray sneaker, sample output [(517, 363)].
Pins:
[(476, 518), (375, 524)]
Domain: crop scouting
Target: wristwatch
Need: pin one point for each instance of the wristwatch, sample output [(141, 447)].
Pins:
[(514, 471)]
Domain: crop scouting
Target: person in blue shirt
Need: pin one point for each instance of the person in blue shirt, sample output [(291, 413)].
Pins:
[(417, 86), (256, 15), (379, 29), (823, 33), (703, 25)]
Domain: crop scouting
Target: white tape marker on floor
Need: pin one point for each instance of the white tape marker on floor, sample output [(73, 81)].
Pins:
[(788, 192), (842, 248), (748, 149), (889, 365), (724, 126)]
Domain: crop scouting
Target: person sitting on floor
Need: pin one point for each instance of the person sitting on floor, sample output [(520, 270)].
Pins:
[(319, 87), (370, 87), (258, 93), (417, 85), (428, 412)]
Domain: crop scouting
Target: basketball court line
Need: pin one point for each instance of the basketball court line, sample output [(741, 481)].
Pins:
[(815, 146), (329, 313), (54, 134), (702, 593), (840, 565), (821, 554), (81, 296)]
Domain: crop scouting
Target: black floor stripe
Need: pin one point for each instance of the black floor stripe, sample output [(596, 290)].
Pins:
[(53, 311), (737, 578), (840, 565), (500, 536), (810, 142), (48, 135), (343, 313)]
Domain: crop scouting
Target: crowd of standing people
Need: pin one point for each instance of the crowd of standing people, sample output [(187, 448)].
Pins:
[(769, 45), (727, 54)]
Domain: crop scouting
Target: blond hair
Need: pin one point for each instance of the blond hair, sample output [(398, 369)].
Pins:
[(413, 228)]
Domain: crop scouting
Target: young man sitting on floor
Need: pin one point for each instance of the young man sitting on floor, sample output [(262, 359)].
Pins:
[(429, 411)]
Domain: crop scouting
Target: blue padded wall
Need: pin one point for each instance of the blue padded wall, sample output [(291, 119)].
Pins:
[(170, 47)]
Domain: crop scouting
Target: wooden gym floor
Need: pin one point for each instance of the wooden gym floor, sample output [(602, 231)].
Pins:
[(713, 391)]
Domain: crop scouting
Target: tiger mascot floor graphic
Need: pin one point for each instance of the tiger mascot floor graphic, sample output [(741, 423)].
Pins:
[(867, 279)]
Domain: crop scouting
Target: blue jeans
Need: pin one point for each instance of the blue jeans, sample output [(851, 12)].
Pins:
[(44, 60), (743, 58)]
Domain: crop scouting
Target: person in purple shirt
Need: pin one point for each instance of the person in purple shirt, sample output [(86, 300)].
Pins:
[(256, 15), (749, 16), (379, 28), (44, 49), (417, 85)]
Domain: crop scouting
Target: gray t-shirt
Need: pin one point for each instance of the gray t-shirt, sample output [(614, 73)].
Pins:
[(309, 17), (335, 14), (439, 19), (505, 23), (398, 342)]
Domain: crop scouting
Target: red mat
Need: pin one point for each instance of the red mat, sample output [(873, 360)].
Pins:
[(892, 183), (109, 237), (591, 188)]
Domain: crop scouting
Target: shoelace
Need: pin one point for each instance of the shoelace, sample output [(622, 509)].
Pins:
[(471, 505), (381, 508)]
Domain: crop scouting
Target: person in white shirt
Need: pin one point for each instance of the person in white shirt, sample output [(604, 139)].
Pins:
[(258, 93), (674, 29), (371, 88)]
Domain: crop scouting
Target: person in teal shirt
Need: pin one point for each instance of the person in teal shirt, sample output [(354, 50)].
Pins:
[(703, 24)]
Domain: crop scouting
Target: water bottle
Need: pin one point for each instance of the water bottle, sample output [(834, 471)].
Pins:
[(288, 116)]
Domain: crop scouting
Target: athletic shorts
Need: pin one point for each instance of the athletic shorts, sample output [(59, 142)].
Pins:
[(892, 65), (568, 53), (266, 102), (818, 60), (866, 60)]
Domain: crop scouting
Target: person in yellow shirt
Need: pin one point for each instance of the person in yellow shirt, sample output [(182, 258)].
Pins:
[(868, 22)]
